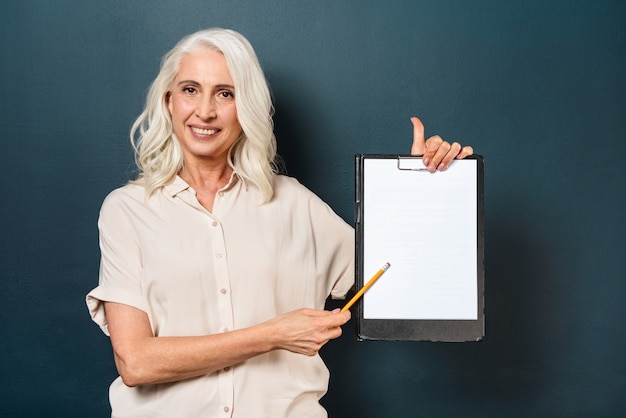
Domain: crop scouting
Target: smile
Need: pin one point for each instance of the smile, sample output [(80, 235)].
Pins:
[(204, 131)]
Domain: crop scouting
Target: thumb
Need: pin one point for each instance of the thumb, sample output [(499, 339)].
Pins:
[(419, 146)]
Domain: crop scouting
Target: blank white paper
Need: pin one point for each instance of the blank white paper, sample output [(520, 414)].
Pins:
[(425, 225)]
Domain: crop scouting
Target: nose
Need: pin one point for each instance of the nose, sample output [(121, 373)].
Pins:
[(206, 108)]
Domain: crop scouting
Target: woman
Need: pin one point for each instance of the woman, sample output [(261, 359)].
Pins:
[(214, 268)]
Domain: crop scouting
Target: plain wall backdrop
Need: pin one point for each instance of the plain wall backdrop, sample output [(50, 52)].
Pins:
[(537, 87)]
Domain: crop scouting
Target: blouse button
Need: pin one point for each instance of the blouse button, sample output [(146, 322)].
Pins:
[(223, 291), (218, 255), (226, 409), (214, 223)]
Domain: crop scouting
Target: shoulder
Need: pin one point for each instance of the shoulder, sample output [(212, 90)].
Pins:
[(122, 202), (289, 192), (128, 194), (285, 186)]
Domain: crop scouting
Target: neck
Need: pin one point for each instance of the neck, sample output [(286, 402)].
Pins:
[(206, 180)]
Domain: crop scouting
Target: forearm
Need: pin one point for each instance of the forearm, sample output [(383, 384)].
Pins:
[(142, 358), (149, 360)]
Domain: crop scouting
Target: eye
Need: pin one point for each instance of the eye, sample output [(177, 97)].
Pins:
[(225, 96), (189, 90)]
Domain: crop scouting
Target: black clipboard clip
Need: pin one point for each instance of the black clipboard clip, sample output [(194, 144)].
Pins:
[(413, 164)]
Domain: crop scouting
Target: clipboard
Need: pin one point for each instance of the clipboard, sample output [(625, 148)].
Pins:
[(430, 227)]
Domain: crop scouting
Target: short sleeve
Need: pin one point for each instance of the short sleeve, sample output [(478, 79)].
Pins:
[(334, 240), (342, 266), (120, 261)]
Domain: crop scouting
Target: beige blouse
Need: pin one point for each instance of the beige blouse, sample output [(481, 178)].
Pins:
[(198, 273)]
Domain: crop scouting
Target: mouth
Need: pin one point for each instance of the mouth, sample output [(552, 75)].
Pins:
[(202, 131)]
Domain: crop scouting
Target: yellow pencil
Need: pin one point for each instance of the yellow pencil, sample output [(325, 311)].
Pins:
[(367, 286)]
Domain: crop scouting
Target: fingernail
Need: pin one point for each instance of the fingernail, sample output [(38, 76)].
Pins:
[(431, 167), (442, 167), (426, 160)]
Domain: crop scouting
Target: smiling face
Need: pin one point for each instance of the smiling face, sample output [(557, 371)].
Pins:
[(201, 101)]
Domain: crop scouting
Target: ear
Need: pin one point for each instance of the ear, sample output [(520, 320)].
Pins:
[(168, 101)]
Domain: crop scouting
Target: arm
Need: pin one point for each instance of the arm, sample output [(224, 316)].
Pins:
[(141, 358), (437, 153)]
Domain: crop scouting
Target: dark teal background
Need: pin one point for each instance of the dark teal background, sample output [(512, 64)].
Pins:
[(537, 87)]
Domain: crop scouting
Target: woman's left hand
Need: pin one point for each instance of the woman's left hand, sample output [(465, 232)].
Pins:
[(436, 153)]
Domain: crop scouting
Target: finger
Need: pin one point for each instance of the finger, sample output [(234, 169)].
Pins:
[(454, 150), (313, 312), (337, 319), (465, 152), (419, 145), (334, 333), (442, 150), (433, 144), (345, 317)]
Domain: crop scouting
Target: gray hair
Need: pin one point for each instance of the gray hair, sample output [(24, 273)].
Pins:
[(158, 153)]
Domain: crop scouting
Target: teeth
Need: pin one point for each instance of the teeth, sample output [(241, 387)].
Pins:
[(204, 131)]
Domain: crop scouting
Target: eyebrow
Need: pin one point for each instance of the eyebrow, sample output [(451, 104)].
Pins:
[(195, 83)]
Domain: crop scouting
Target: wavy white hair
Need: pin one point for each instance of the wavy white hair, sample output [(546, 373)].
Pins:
[(158, 153)]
